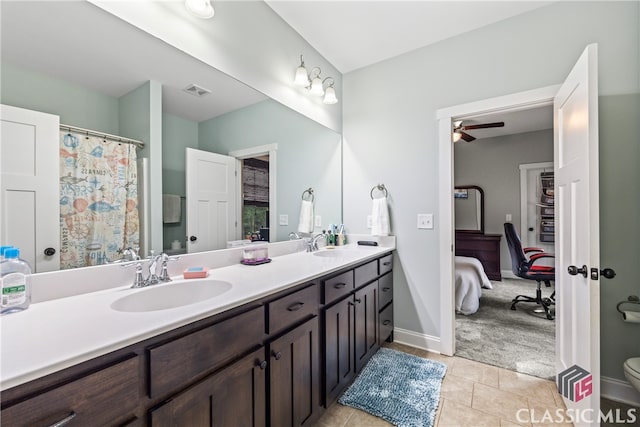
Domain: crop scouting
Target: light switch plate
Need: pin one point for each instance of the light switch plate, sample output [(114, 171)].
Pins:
[(425, 221), (508, 217), (284, 220), (369, 220), (318, 221)]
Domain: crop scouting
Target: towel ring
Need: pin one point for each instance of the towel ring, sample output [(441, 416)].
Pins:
[(310, 192), (633, 299), (379, 187)]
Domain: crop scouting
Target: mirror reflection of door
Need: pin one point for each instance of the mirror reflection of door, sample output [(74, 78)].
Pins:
[(469, 208), (255, 198)]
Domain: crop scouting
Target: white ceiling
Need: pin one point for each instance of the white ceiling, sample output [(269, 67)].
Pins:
[(80, 43), (352, 34), (515, 122)]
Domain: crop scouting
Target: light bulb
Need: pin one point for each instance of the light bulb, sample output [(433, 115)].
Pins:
[(200, 8), (456, 136), (302, 79), (316, 87), (330, 96)]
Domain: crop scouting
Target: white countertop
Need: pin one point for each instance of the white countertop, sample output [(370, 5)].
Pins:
[(52, 335)]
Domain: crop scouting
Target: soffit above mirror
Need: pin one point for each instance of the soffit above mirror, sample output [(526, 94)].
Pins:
[(81, 43)]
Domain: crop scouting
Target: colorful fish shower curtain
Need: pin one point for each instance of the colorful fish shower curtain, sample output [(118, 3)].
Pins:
[(98, 200)]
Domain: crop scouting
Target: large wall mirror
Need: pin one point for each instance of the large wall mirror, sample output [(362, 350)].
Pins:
[(85, 65), (469, 209)]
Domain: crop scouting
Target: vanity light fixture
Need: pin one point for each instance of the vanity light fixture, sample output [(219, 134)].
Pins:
[(314, 83), (200, 8)]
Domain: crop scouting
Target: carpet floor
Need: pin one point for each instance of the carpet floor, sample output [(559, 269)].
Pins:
[(520, 340)]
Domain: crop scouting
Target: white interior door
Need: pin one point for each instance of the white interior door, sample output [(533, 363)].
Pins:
[(577, 245), (530, 198), (29, 181), (211, 200)]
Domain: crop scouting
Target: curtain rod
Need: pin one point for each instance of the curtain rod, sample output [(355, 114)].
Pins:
[(108, 136)]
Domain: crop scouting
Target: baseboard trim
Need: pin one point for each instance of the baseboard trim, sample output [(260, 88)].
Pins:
[(508, 274), (620, 391), (417, 340)]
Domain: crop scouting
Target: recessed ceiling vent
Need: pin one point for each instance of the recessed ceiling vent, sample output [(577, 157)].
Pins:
[(196, 90)]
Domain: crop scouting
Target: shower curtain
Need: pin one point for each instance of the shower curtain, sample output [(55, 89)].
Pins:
[(98, 200)]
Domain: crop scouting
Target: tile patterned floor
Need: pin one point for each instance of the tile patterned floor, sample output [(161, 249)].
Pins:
[(473, 394)]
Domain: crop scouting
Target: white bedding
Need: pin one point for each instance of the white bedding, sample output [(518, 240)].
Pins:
[(470, 279)]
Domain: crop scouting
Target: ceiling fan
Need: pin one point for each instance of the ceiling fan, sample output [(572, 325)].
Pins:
[(459, 129)]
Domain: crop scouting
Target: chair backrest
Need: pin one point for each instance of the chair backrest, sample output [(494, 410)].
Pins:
[(518, 258)]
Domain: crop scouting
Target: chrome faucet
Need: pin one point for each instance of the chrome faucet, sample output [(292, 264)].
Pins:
[(294, 236), (152, 278), (312, 243)]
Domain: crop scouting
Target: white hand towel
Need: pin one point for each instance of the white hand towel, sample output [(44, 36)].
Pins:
[(380, 217), (171, 208), (305, 224)]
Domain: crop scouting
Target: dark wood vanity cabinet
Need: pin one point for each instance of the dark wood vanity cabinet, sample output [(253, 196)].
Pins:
[(294, 387), (233, 397), (484, 247), (274, 362), (352, 326)]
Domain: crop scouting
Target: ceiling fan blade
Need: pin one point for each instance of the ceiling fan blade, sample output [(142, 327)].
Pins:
[(466, 136), (484, 126)]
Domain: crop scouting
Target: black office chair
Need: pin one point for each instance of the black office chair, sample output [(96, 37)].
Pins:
[(523, 266)]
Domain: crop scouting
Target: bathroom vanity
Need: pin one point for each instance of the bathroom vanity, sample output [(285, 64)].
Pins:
[(277, 359)]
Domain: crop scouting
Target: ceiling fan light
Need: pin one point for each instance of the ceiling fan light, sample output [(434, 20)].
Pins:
[(200, 8), (301, 79), (456, 136), (457, 123), (316, 87), (330, 96)]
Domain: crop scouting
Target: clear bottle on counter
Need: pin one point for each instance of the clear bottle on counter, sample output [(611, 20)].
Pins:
[(15, 282)]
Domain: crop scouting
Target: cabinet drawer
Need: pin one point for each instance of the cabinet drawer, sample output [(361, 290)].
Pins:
[(386, 264), (106, 397), (366, 273), (288, 310), (385, 289), (179, 362), (386, 323), (337, 286)]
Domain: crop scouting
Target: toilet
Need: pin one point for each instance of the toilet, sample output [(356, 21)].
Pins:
[(632, 372)]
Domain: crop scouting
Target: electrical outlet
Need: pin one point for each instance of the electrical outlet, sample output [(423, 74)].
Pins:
[(508, 218), (318, 221), (284, 220), (425, 221), (369, 221)]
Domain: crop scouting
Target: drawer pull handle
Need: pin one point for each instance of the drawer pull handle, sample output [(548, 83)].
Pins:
[(339, 285), (358, 300), (263, 365), (351, 303), (386, 322), (295, 307), (386, 289), (64, 421), (386, 263), (277, 355)]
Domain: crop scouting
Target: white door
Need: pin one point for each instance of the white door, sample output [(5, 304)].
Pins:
[(577, 244), (29, 181), (211, 200), (531, 221)]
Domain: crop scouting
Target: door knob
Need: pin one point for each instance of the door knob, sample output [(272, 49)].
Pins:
[(49, 251), (607, 273), (193, 238), (530, 228), (574, 271)]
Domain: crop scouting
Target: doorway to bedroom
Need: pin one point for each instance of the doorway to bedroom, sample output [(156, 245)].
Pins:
[(486, 328)]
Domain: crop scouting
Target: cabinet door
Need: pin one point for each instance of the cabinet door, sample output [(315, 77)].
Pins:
[(366, 323), (294, 372), (234, 396), (338, 350)]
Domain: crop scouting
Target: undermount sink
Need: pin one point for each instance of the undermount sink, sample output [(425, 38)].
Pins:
[(330, 253), (172, 295)]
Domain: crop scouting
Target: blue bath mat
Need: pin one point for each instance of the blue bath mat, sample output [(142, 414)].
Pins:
[(398, 387)]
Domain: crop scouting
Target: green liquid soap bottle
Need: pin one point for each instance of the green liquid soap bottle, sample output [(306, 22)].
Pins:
[(15, 281)]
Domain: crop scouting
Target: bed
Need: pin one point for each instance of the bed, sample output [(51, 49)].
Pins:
[(470, 278)]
